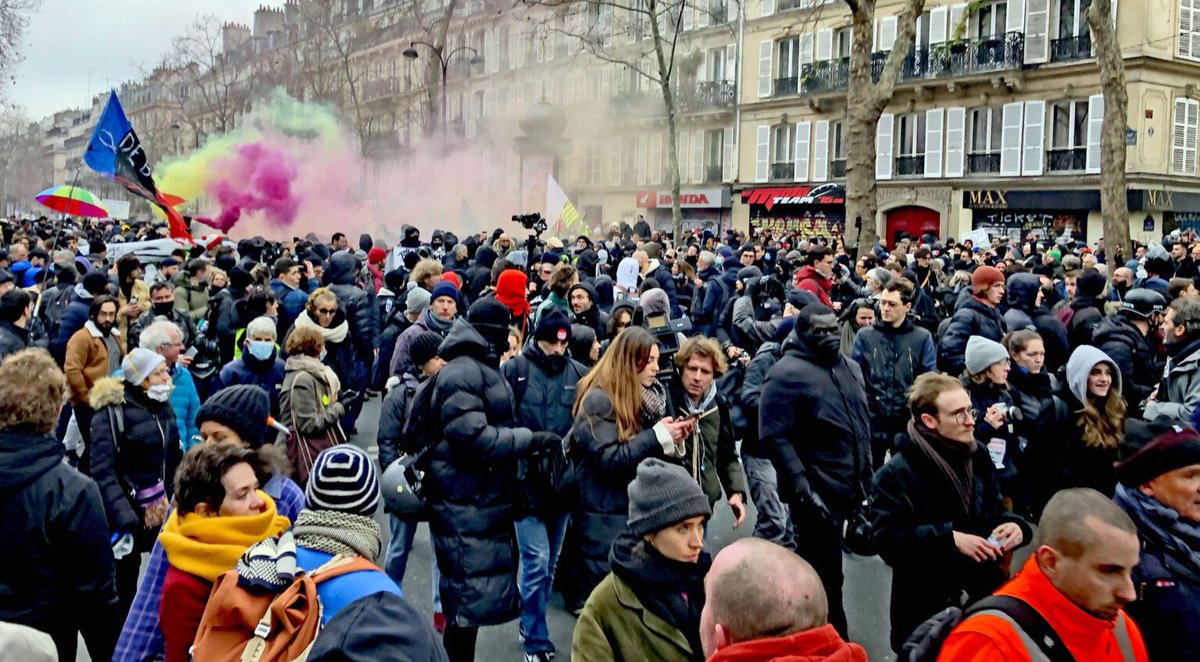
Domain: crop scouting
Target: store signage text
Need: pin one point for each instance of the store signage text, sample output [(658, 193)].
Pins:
[(693, 198), (987, 199), (1162, 200)]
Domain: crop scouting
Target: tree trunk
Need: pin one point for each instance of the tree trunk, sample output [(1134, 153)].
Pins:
[(1114, 205), (666, 69)]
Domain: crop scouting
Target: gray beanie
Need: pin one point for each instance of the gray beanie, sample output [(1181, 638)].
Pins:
[(982, 353), (416, 301), (661, 495), (881, 276)]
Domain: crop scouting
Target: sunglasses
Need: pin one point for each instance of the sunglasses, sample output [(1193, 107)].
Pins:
[(326, 311)]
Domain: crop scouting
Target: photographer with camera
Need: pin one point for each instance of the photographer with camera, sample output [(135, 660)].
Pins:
[(986, 382)]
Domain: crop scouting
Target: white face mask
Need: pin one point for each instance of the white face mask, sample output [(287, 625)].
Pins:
[(160, 392)]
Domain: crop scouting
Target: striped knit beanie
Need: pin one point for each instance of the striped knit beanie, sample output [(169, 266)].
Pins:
[(343, 479)]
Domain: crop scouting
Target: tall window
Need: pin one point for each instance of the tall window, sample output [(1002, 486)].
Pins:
[(1189, 29), (910, 135), (985, 131), (837, 141), (990, 19), (788, 52), (1069, 128), (1072, 18), (843, 40), (784, 142), (594, 164)]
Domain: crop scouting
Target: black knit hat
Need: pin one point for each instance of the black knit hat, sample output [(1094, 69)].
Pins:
[(343, 479), (661, 495), (491, 319), (1090, 283), (553, 326), (243, 409), (95, 282), (1175, 448), (424, 347)]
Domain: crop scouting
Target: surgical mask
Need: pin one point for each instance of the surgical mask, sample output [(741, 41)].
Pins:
[(160, 392), (262, 349), (163, 308)]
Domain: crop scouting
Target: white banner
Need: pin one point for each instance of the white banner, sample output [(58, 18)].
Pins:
[(118, 209)]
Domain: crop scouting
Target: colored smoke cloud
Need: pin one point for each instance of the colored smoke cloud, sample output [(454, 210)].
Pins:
[(291, 168)]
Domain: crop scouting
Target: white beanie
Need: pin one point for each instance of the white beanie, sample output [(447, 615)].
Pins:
[(982, 353), (138, 365)]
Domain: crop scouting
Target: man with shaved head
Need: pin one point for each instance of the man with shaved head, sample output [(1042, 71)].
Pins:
[(1078, 579), (765, 602)]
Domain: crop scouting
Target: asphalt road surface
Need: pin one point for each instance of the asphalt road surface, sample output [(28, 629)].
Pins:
[(867, 585)]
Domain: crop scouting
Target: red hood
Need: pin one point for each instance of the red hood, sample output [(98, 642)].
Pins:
[(821, 643), (809, 271)]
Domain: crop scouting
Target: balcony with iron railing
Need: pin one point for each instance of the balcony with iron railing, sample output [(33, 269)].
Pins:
[(1069, 49), (694, 98), (381, 88), (713, 174), (787, 86), (909, 165), (1066, 160), (837, 168), (983, 163), (964, 57), (783, 171)]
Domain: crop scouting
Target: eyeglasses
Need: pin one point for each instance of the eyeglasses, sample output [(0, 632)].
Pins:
[(966, 416), (326, 311)]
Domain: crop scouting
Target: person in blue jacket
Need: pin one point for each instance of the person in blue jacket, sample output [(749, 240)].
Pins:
[(165, 338)]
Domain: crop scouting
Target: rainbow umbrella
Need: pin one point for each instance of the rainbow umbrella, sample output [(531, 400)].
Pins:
[(72, 200)]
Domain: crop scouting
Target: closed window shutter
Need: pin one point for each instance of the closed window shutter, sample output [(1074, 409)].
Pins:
[(1183, 139), (698, 157), (731, 63), (820, 160), (806, 49), (731, 11), (764, 68), (768, 7), (1014, 20), (1010, 139), (824, 50), (762, 154), (887, 33), (640, 156), (884, 144), (1095, 129), (1037, 31), (687, 10), (1189, 26), (937, 25), (727, 154), (683, 152), (933, 142), (1034, 146), (956, 29), (956, 133), (801, 152)]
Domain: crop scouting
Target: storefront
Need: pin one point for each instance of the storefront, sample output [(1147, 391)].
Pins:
[(705, 208), (1025, 215), (810, 211), (1179, 210)]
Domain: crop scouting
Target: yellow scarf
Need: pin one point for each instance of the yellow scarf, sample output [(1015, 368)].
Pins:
[(208, 546)]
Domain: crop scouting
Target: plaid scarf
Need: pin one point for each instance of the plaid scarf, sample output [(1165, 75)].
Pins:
[(952, 458), (654, 404), (338, 533)]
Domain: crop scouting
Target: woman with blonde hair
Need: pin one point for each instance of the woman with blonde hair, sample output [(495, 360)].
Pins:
[(1081, 450), (620, 419)]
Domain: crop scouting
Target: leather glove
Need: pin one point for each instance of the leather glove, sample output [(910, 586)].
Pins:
[(544, 440), (811, 502), (349, 397)]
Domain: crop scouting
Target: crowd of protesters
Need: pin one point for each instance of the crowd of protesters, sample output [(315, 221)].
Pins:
[(567, 416)]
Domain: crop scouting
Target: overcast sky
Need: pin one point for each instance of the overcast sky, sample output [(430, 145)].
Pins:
[(112, 38)]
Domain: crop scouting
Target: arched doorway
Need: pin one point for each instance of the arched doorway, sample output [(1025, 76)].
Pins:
[(912, 222)]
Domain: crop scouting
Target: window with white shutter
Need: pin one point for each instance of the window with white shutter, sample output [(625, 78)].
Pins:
[(824, 49), (1037, 31), (1014, 20), (933, 142), (782, 149), (883, 146), (806, 48), (1010, 139), (698, 157), (1095, 130), (955, 141), (887, 33), (683, 152), (820, 159), (1183, 137), (762, 153), (937, 25), (801, 153), (727, 154), (768, 7), (1189, 29), (764, 68), (1034, 142)]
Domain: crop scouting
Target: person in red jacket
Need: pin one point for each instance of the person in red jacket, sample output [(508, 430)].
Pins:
[(1079, 579), (816, 275), (765, 603), (220, 511)]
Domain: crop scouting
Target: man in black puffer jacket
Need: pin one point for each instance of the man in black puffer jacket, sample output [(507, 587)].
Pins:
[(57, 574), (1087, 308), (1126, 339), (1026, 310), (583, 300), (977, 316), (815, 426), (364, 329), (470, 490), (479, 276)]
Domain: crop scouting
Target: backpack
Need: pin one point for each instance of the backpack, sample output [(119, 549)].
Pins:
[(421, 431), (243, 625), (52, 307), (546, 479), (722, 299), (925, 643)]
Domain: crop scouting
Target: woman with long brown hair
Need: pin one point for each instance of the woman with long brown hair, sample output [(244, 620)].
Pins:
[(620, 420), (1081, 450)]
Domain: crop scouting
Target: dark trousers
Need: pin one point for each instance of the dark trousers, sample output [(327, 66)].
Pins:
[(819, 542), (883, 438), (460, 642)]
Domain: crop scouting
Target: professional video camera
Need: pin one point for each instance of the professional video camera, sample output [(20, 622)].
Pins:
[(533, 222), (666, 331)]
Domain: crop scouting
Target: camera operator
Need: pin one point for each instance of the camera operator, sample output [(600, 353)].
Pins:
[(986, 381), (753, 312)]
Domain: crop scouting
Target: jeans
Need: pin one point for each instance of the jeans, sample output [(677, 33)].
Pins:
[(396, 558), (540, 541), (774, 521)]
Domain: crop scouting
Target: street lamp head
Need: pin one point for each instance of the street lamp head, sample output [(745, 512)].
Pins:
[(477, 59), (410, 53)]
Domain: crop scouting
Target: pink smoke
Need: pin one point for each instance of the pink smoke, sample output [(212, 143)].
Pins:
[(256, 178)]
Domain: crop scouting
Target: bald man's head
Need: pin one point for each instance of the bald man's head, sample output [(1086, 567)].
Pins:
[(756, 590)]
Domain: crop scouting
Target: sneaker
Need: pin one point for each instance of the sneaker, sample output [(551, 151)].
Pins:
[(543, 656), (439, 622)]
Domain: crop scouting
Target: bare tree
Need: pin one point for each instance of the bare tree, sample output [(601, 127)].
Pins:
[(865, 102), (1114, 206), (14, 18), (216, 82), (23, 170), (432, 27)]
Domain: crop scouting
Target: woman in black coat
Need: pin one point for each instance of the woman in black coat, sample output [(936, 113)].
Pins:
[(620, 420), (135, 452), (468, 487)]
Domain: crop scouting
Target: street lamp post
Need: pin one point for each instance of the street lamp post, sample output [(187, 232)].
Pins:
[(444, 60)]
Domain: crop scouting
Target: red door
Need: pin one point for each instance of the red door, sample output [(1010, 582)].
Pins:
[(915, 221)]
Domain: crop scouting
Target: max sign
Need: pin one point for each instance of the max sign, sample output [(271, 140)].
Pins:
[(688, 198)]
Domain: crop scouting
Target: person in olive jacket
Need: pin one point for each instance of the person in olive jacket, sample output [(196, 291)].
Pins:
[(56, 573), (648, 607), (937, 517)]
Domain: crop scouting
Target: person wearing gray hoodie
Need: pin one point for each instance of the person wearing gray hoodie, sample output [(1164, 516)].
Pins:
[(1079, 451)]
